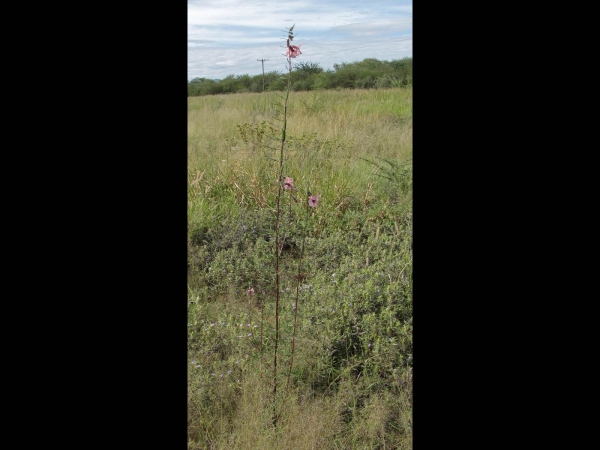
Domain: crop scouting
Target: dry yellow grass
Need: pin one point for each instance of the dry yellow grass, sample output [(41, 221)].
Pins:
[(374, 122)]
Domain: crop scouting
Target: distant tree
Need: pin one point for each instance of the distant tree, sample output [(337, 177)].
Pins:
[(243, 83), (308, 67), (199, 86), (370, 64)]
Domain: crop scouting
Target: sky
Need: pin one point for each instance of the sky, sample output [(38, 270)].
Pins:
[(230, 37)]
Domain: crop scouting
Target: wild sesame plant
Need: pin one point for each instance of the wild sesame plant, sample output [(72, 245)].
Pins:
[(286, 184)]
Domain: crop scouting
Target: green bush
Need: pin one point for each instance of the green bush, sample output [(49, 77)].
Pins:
[(367, 74)]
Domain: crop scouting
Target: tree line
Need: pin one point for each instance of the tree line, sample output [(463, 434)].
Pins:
[(369, 73)]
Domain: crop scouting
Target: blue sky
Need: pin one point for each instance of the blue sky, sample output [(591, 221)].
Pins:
[(228, 37)]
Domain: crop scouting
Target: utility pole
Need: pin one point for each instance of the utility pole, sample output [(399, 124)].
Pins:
[(263, 67)]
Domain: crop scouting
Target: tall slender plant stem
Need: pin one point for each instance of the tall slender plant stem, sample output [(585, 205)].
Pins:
[(292, 52), (296, 304), (277, 224)]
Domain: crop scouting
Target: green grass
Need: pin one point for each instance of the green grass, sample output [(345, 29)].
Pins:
[(351, 380)]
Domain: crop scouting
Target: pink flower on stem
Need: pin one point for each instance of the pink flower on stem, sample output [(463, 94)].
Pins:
[(293, 51), (250, 291), (288, 184), (313, 201)]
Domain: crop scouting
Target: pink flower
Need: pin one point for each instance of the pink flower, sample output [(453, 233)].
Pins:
[(293, 51), (313, 201), (289, 183), (250, 291)]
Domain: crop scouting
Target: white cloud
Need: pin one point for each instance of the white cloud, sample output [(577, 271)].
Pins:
[(227, 36), (375, 28)]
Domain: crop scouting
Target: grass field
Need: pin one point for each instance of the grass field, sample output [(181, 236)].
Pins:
[(345, 269)]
